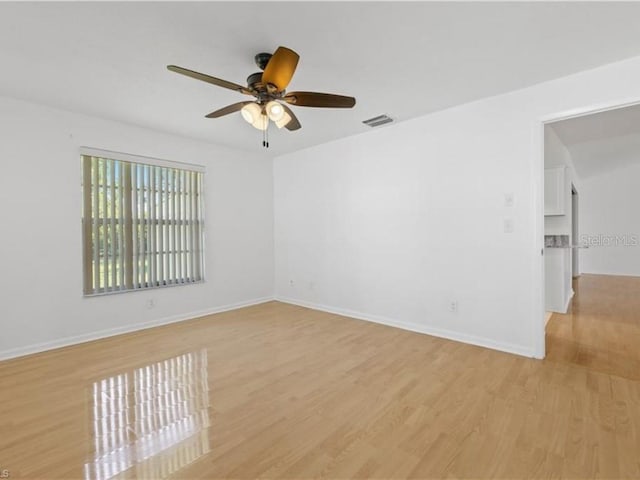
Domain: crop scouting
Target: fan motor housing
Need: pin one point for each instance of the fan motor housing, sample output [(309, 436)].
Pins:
[(255, 81), (262, 59)]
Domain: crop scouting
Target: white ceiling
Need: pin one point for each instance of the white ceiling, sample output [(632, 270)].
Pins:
[(602, 142), (404, 59)]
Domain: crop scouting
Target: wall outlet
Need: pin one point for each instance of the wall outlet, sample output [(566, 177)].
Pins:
[(453, 306), (151, 303), (291, 283)]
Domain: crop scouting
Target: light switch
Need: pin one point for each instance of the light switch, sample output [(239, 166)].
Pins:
[(508, 225), (509, 200)]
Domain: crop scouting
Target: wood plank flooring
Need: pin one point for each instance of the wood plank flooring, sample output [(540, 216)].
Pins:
[(279, 391), (601, 331)]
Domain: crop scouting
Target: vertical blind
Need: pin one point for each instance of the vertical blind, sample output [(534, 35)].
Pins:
[(142, 225)]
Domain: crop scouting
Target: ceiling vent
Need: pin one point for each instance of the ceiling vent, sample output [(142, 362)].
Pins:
[(379, 120)]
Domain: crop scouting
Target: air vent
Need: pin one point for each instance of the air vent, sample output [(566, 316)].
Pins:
[(379, 120)]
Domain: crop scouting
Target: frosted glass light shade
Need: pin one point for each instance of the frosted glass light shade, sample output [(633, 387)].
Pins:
[(251, 112), (286, 118), (261, 122), (275, 111)]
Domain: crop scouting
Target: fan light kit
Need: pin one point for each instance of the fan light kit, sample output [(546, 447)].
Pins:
[(268, 87), (254, 115)]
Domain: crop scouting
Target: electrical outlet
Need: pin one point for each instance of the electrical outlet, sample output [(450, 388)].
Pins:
[(151, 303), (453, 306)]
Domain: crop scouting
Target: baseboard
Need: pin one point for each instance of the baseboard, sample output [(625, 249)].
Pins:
[(610, 274), (435, 332), (88, 337)]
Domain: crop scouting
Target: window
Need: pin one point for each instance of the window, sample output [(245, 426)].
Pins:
[(142, 223)]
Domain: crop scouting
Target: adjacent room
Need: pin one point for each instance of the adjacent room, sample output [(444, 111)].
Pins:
[(295, 240), (592, 245)]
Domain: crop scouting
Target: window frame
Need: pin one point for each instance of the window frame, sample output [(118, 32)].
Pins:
[(87, 227)]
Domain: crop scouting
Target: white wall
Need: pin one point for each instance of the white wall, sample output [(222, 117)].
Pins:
[(610, 209), (393, 224), (41, 302)]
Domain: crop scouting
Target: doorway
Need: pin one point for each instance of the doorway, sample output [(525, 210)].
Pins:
[(602, 153)]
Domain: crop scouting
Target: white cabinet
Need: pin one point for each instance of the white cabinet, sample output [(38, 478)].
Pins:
[(557, 273), (554, 191)]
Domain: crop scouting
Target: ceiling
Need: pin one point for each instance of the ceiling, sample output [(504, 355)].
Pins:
[(602, 142), (403, 59)]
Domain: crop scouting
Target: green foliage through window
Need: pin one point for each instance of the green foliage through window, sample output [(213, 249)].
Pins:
[(142, 225)]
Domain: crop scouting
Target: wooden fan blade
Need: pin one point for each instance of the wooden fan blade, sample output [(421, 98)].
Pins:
[(293, 124), (280, 68), (209, 79), (227, 110), (322, 100)]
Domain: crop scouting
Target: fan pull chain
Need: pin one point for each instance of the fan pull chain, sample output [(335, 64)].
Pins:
[(265, 136)]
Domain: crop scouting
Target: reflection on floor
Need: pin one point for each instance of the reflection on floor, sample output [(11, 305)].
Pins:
[(153, 418), (601, 331)]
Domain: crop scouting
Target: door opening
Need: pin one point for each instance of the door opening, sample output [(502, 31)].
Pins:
[(574, 212)]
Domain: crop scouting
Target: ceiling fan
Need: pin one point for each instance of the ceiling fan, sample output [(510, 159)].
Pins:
[(268, 87)]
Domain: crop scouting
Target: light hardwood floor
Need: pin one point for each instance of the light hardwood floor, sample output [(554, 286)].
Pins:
[(279, 391), (602, 328)]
